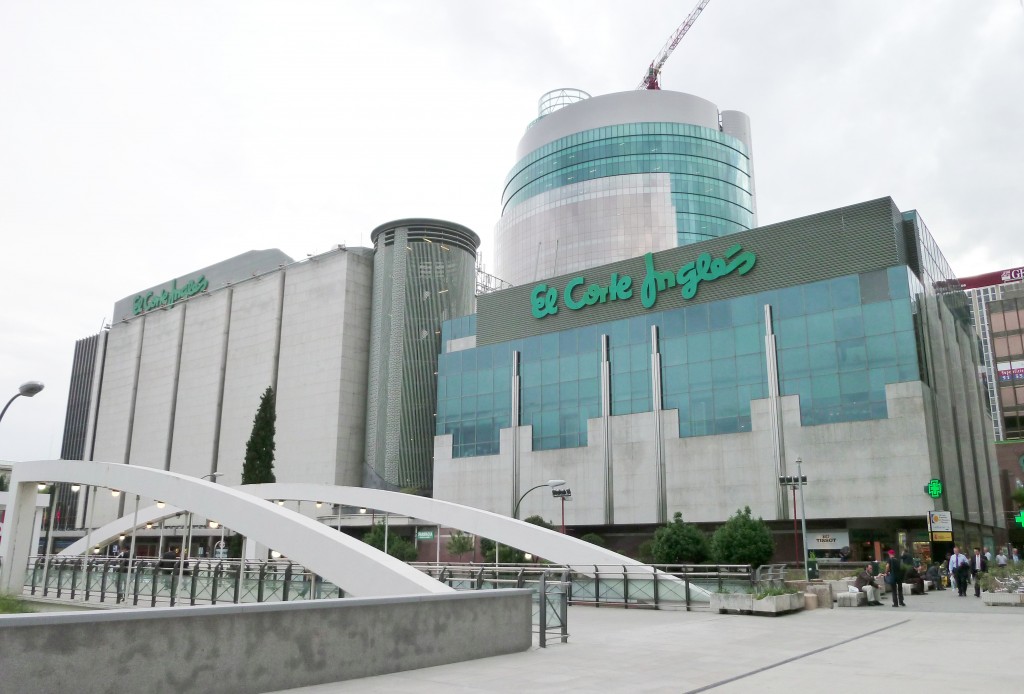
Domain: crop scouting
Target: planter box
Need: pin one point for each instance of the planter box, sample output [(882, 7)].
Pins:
[(745, 603), (1013, 599), (777, 604), (736, 602)]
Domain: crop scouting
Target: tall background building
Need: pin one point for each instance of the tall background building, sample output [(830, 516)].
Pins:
[(981, 290), (424, 273), (611, 177)]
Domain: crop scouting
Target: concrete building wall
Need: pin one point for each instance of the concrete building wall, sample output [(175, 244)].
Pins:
[(197, 412), (854, 469), (114, 415), (324, 337), (154, 403), (250, 369)]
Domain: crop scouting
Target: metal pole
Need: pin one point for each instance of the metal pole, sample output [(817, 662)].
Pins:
[(88, 533), (131, 552), (563, 515), (386, 533), (438, 560), (796, 544), (49, 535), (803, 515), (181, 555)]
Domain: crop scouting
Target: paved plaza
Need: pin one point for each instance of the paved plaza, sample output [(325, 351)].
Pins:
[(937, 640)]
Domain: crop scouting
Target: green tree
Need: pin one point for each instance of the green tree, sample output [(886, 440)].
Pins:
[(459, 544), (510, 555), (594, 539), (259, 450), (743, 540), (1018, 496), (398, 546), (679, 543)]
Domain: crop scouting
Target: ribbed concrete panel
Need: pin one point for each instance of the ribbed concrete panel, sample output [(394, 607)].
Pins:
[(154, 402), (862, 237), (316, 349), (196, 413), (114, 416), (76, 418), (252, 345)]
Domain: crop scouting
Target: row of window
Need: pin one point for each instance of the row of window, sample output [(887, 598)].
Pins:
[(625, 165), (840, 342), (624, 147), (630, 130)]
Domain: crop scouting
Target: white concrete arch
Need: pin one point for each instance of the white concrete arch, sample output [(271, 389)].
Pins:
[(539, 541), (353, 565)]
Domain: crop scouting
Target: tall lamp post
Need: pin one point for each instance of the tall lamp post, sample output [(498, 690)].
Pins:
[(187, 544), (549, 483), (793, 482)]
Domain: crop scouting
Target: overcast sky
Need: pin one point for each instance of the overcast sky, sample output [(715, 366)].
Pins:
[(142, 140)]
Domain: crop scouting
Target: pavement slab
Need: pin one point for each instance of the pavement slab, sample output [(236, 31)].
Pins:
[(936, 639)]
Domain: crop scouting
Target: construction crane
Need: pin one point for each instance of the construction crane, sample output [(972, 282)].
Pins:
[(650, 80)]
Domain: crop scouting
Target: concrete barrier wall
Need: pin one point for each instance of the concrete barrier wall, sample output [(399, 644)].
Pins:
[(257, 647)]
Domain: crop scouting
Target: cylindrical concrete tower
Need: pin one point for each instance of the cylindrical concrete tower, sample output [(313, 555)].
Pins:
[(424, 272), (612, 177)]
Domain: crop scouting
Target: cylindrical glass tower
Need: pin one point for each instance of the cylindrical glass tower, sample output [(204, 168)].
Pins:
[(616, 176), (424, 272)]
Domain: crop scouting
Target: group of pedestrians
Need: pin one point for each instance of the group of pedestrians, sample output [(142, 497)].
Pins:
[(896, 570), (961, 569), (964, 569)]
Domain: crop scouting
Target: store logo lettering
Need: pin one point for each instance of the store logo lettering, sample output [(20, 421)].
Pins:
[(544, 298), (152, 300)]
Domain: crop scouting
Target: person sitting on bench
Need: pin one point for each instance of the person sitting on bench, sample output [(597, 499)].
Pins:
[(865, 582), (913, 577)]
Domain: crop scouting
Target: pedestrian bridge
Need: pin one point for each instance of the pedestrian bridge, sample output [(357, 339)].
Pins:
[(350, 564)]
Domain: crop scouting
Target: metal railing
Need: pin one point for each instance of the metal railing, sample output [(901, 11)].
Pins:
[(629, 586), (158, 582)]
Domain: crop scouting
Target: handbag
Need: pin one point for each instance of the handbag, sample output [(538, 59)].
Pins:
[(890, 579)]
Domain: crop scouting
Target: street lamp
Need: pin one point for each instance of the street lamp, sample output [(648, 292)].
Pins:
[(26, 390), (799, 481), (549, 483)]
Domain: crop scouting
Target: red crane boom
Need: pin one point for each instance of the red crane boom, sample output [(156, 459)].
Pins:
[(650, 80)]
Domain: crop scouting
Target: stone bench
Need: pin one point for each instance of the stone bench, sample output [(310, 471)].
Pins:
[(849, 599)]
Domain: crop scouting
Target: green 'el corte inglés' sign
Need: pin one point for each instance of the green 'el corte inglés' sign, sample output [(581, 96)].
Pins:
[(166, 297), (544, 299)]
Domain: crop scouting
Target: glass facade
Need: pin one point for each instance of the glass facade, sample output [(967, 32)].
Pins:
[(839, 343), (424, 274), (709, 171)]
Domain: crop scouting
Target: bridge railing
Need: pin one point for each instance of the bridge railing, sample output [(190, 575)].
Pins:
[(661, 586), (154, 582)]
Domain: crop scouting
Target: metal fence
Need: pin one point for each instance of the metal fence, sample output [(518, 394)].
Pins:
[(630, 586), (156, 582)]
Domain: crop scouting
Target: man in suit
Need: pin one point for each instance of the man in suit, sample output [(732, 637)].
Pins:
[(894, 571), (979, 565), (959, 569)]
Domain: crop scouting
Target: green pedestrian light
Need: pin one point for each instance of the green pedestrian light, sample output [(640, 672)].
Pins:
[(934, 488)]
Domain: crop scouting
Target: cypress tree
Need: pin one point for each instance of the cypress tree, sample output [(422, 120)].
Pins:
[(259, 450)]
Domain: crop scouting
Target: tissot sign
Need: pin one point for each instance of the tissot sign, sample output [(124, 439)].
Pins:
[(578, 294)]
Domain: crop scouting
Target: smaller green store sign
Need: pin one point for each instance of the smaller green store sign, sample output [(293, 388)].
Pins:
[(151, 300), (545, 300)]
